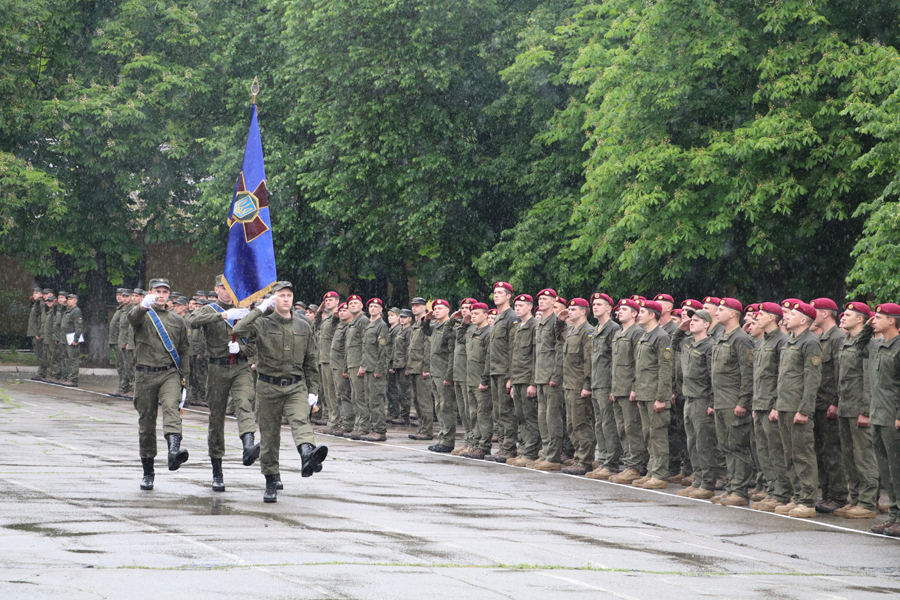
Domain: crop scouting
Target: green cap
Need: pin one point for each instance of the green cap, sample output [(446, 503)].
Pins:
[(700, 313), (281, 285)]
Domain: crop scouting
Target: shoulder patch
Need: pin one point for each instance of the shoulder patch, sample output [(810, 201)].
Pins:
[(817, 361), (667, 353), (749, 357)]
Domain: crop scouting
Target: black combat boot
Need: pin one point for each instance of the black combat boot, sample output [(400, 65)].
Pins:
[(278, 484), (251, 450), (271, 494), (177, 455), (147, 481), (218, 480), (311, 458)]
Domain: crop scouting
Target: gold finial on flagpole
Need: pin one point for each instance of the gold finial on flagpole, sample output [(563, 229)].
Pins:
[(254, 89)]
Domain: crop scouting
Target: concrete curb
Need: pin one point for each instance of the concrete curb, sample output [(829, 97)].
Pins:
[(82, 371)]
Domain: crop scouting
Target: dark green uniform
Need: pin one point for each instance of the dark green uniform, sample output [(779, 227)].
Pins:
[(157, 380), (832, 477), (287, 366), (113, 342), (328, 405), (375, 358), (58, 367), (732, 385), (72, 325), (227, 374), (547, 370), (465, 408), (399, 348), (34, 328), (577, 379), (504, 409), (418, 353), (605, 430), (521, 375), (653, 383), (884, 412), (699, 425), (338, 360), (478, 372), (679, 457), (857, 446), (199, 365), (769, 450), (353, 342), (48, 343), (126, 344), (799, 376), (393, 388), (442, 344), (628, 416)]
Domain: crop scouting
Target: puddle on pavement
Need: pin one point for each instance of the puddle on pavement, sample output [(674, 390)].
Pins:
[(696, 560), (48, 531)]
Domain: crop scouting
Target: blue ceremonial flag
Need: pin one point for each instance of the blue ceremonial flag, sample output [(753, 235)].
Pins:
[(250, 256)]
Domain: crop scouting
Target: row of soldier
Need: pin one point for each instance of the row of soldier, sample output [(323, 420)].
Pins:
[(56, 328), (780, 394)]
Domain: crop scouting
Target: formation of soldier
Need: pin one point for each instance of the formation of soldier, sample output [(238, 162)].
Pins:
[(767, 403)]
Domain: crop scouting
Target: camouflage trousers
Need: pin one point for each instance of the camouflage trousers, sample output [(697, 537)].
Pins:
[(275, 402)]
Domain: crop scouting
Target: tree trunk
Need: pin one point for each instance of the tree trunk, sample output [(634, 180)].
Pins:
[(96, 326)]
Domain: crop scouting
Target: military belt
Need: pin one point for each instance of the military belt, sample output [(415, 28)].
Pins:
[(280, 381), (227, 361), (146, 369)]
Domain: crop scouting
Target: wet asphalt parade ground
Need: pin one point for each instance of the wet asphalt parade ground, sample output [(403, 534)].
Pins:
[(382, 520)]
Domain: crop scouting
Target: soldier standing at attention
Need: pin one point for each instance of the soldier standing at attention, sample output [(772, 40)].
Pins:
[(161, 341), (653, 393), (679, 460), (47, 302), (58, 366), (504, 410), (417, 368), (399, 348), (228, 375), (112, 338), (325, 326), (884, 410), (857, 446), (353, 344), (577, 384), (521, 382), (374, 366), (628, 416), (34, 325), (466, 407), (288, 381), (126, 342), (699, 414), (832, 477), (548, 378), (732, 385), (442, 344), (49, 345), (339, 372), (393, 389), (72, 327), (769, 450), (605, 430), (199, 364), (799, 377), (478, 372)]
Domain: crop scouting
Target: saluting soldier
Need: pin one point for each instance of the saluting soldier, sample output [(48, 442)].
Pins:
[(418, 357), (884, 410), (113, 337), (478, 372), (325, 326), (522, 384), (161, 343), (577, 388), (857, 446), (628, 416), (466, 404), (58, 370), (399, 348), (288, 381), (48, 300), (799, 377), (375, 358), (72, 329), (34, 325), (832, 477), (49, 344), (228, 375), (769, 449), (653, 393), (441, 363), (605, 429), (711, 305), (393, 388), (548, 378), (339, 372)]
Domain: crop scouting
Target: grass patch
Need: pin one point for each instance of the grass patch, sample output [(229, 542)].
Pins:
[(14, 357)]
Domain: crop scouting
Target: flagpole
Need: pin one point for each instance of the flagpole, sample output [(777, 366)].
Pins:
[(254, 90)]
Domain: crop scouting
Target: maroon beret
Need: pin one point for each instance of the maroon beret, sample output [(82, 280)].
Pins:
[(693, 304), (630, 304), (805, 308), (440, 302), (601, 296), (479, 306), (373, 301), (651, 305), (860, 307), (523, 298), (890, 309), (823, 304), (790, 302), (493, 311), (751, 308), (353, 297), (637, 297), (331, 295), (664, 298), (676, 312), (502, 284), (731, 303), (342, 305), (579, 302), (467, 301), (772, 308), (711, 300), (561, 300), (547, 292)]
